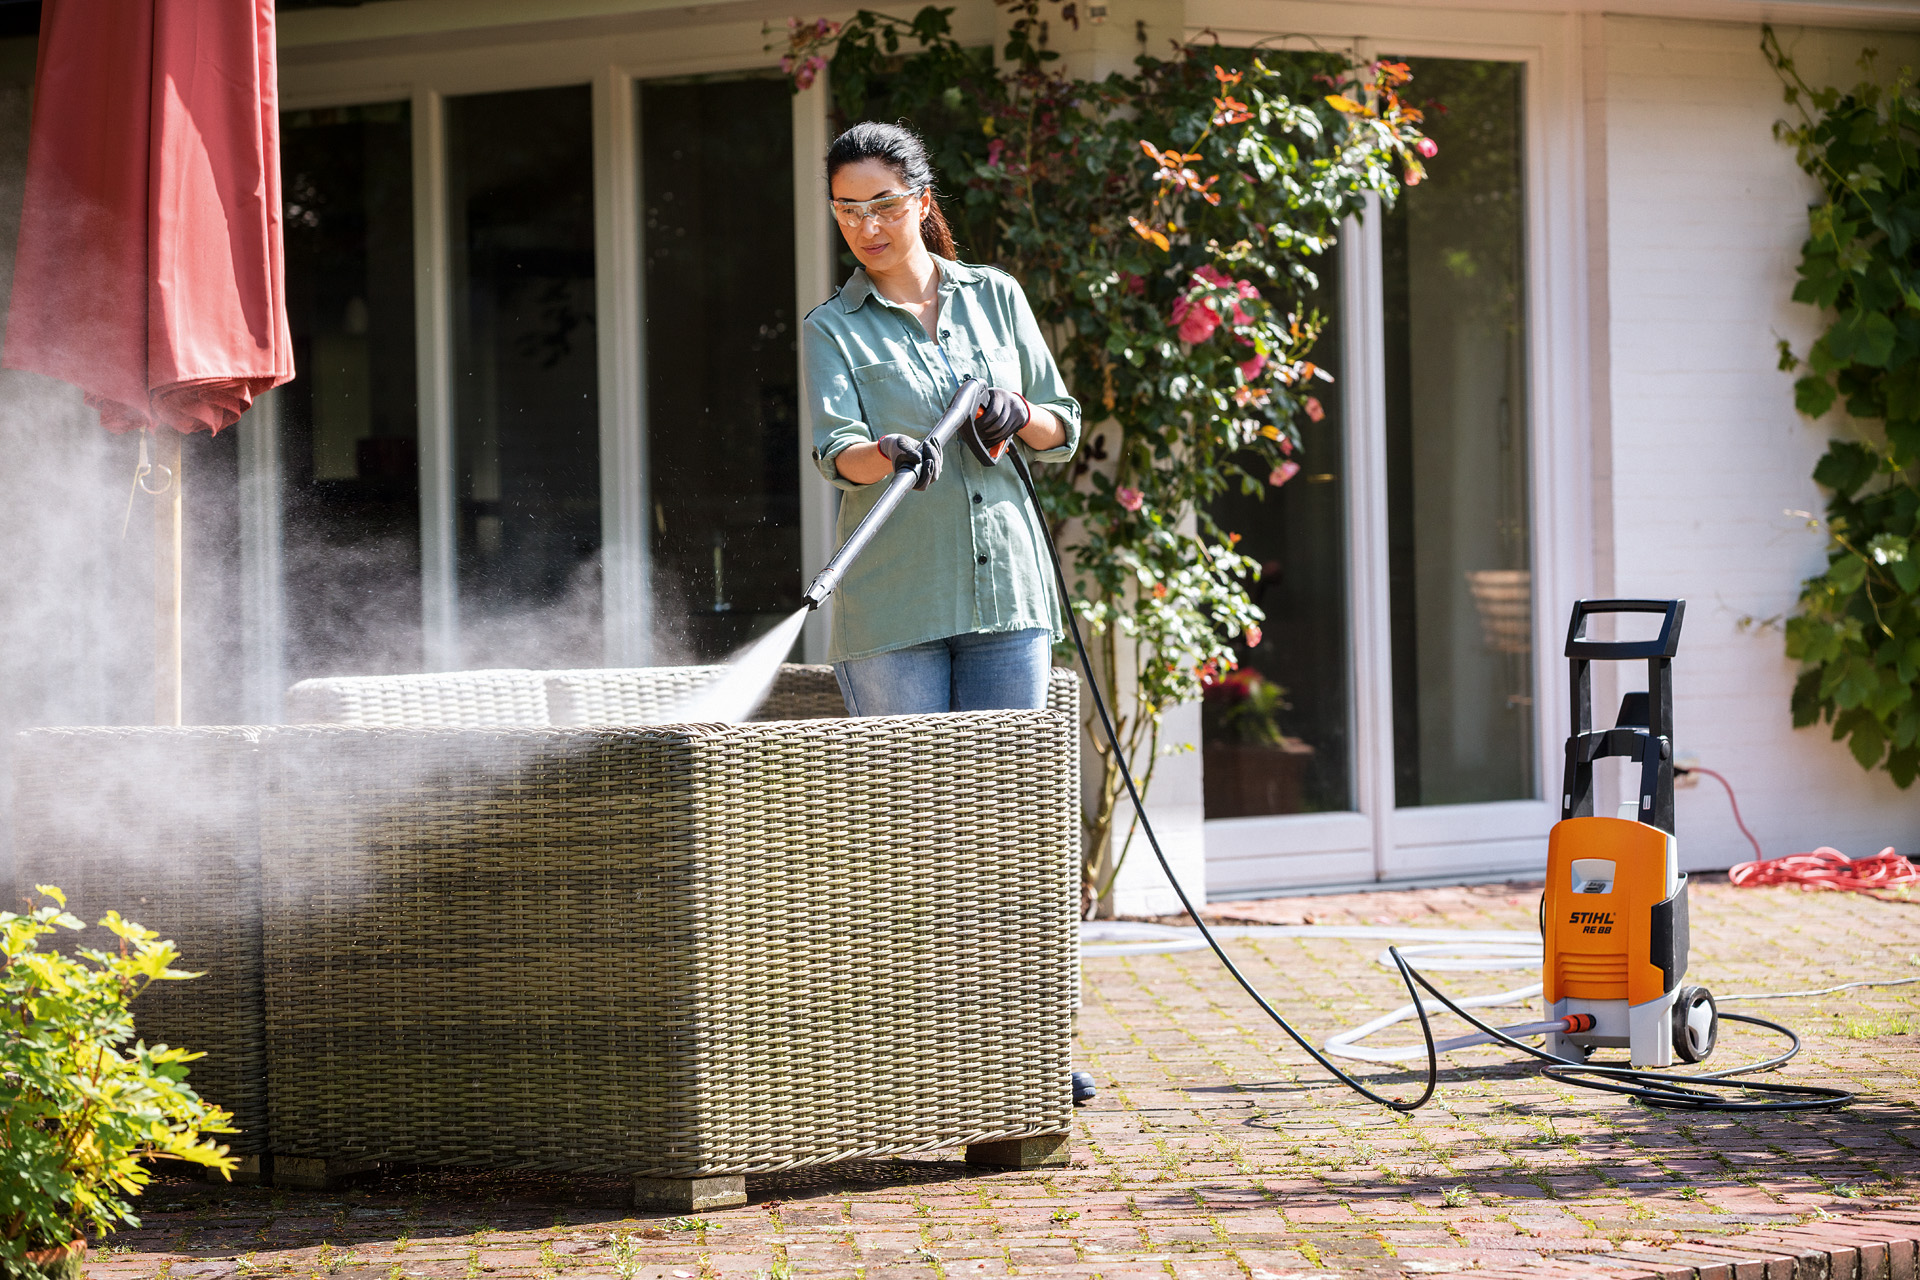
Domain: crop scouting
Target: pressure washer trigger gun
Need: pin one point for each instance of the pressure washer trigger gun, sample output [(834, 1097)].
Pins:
[(970, 432)]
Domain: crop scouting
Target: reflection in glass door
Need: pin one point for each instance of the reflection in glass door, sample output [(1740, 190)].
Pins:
[(1459, 554), (1277, 733), (722, 398), (348, 420), (525, 377)]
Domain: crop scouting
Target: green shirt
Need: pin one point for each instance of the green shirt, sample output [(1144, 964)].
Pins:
[(966, 554)]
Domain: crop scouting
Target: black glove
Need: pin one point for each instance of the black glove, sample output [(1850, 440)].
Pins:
[(1002, 414), (922, 457)]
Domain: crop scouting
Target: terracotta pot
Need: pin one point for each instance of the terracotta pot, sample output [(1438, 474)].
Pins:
[(1245, 779), (62, 1262)]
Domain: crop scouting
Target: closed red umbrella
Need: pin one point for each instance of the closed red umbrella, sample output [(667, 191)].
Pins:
[(149, 267)]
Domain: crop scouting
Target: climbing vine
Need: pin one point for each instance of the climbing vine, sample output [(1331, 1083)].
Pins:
[(1167, 225), (1857, 628)]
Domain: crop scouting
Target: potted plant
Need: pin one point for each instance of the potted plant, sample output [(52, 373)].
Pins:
[(83, 1105), (1252, 768)]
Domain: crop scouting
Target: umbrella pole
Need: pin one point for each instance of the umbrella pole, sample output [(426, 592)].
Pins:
[(168, 513)]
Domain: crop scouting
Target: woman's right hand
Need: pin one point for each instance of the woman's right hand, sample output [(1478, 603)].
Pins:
[(922, 457)]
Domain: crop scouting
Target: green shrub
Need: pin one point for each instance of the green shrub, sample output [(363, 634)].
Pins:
[(83, 1105), (1857, 629)]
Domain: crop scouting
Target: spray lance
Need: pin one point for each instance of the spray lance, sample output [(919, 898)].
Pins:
[(1680, 1092)]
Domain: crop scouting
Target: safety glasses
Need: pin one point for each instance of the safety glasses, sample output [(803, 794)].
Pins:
[(887, 209)]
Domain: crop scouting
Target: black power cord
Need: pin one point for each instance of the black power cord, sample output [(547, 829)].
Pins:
[(1653, 1088)]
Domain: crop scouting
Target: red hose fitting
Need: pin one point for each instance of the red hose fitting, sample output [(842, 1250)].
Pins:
[(1579, 1022)]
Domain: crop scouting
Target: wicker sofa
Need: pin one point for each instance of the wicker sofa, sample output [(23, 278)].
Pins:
[(682, 953)]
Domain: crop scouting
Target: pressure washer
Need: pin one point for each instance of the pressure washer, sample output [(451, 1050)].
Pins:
[(1613, 917)]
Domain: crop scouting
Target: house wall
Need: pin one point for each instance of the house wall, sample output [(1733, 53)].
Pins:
[(1702, 454)]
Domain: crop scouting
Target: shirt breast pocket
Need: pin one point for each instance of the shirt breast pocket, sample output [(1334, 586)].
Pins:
[(894, 397), (1002, 366)]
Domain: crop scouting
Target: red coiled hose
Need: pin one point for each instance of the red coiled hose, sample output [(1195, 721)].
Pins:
[(1827, 868)]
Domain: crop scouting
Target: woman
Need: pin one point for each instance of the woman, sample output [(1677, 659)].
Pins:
[(952, 607)]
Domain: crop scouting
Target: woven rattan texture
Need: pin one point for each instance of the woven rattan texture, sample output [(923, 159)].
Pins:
[(651, 695), (161, 825), (673, 952), (448, 700)]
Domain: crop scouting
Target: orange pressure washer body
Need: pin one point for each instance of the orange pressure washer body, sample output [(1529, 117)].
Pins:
[(1613, 918)]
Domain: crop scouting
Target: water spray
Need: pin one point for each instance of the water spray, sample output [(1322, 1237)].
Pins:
[(1583, 1019)]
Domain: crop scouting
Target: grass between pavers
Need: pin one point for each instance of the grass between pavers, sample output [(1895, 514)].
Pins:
[(1215, 1149)]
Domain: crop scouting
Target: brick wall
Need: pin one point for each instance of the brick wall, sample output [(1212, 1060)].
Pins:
[(1703, 452)]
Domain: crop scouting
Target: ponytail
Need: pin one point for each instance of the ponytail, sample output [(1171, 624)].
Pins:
[(936, 234), (900, 149)]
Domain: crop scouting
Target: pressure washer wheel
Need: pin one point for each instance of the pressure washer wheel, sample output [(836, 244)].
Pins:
[(1696, 1024), (1083, 1088)]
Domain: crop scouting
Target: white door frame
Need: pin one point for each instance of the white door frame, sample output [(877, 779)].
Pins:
[(1379, 841)]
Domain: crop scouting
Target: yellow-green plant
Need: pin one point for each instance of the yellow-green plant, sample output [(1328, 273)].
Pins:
[(83, 1105)]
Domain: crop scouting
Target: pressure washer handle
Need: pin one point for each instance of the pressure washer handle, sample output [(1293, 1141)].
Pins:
[(960, 411), (1664, 645)]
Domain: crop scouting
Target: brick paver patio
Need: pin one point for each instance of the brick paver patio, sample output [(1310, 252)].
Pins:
[(1215, 1149)]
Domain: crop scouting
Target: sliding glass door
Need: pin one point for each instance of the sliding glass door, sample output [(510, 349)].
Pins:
[(1398, 658), (348, 424), (526, 418), (440, 461), (722, 373)]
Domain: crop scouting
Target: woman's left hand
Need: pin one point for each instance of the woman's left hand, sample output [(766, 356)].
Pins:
[(1003, 414)]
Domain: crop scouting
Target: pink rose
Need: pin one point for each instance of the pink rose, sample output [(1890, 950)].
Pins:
[(1251, 369), (1427, 147), (808, 70), (1132, 283), (1195, 321), (1131, 498), (1253, 635), (1283, 473), (1314, 408)]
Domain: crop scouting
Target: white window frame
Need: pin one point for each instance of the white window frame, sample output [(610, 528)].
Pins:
[(1380, 841)]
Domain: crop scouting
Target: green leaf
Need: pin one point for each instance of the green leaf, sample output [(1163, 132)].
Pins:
[(1902, 390), (1862, 337), (1887, 548), (1820, 281), (1806, 699), (1868, 741), (1904, 766), (1845, 467), (1846, 574), (1813, 395)]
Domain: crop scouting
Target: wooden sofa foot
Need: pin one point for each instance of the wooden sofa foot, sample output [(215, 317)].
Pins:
[(688, 1195), (1047, 1151), (299, 1173)]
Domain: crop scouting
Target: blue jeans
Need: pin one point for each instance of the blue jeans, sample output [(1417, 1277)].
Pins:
[(979, 671)]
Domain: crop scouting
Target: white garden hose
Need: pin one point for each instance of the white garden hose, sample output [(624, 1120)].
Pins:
[(1459, 950)]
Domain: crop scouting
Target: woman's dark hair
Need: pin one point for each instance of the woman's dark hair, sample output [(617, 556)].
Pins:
[(900, 149)]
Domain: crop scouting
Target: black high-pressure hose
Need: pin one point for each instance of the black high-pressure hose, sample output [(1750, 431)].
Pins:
[(1407, 974), (1655, 1089)]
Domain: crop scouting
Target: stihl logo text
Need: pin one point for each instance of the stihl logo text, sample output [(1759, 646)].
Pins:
[(1592, 921)]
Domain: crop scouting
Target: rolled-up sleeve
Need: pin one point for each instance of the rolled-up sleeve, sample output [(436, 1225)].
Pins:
[(837, 421), (1040, 373)]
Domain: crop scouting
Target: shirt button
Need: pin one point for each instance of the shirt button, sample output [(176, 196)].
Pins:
[(983, 559), (976, 497)]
